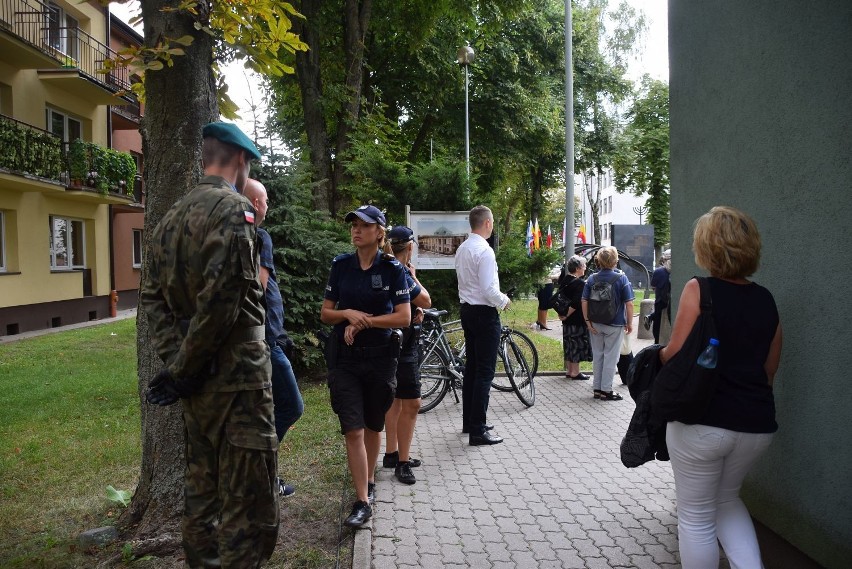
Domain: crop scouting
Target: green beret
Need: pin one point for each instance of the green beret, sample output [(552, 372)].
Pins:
[(230, 134)]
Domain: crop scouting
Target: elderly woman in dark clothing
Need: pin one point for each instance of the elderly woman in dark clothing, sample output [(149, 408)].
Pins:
[(575, 334)]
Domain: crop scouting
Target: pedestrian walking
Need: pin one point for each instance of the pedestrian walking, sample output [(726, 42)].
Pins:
[(711, 458)]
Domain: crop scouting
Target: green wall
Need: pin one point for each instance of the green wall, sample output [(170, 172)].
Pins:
[(761, 119)]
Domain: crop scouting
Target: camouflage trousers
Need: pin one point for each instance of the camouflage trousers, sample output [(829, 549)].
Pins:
[(231, 511)]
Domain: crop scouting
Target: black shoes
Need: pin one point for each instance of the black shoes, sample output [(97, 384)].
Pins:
[(466, 430), (361, 512), (391, 459), (485, 438), (284, 490), (371, 492), (541, 326), (403, 473), (580, 375)]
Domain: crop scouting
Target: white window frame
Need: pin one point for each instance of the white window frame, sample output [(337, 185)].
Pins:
[(137, 261), (70, 253), (66, 120), (3, 268), (58, 19)]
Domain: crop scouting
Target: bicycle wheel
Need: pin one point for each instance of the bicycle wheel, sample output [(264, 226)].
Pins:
[(519, 371), (501, 376), (529, 350), (434, 380)]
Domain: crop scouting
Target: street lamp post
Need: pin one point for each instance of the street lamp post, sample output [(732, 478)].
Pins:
[(465, 58)]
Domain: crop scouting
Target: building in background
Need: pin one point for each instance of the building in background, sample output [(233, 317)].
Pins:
[(615, 208), (58, 176), (127, 219)]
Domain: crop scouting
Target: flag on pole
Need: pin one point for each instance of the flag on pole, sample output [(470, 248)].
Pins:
[(549, 238), (581, 234), (537, 235), (530, 239)]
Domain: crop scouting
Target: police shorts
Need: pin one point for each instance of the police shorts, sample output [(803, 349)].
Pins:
[(362, 390), (408, 380)]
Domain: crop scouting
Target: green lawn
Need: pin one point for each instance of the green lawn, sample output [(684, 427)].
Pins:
[(70, 426)]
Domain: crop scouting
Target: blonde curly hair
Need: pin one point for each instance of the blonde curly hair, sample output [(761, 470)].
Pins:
[(726, 243)]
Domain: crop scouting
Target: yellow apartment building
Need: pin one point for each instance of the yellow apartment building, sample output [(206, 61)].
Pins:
[(58, 179)]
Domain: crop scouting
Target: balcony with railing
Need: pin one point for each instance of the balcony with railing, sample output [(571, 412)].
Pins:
[(34, 159), (31, 37)]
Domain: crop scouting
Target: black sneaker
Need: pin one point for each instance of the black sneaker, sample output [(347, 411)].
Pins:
[(361, 513), (371, 492), (285, 490), (390, 460), (403, 473)]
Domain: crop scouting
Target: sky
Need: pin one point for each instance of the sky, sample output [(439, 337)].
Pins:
[(244, 86)]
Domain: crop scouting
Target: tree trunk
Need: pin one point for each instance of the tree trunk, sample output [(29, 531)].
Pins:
[(180, 100), (356, 22), (310, 86), (594, 197), (420, 139)]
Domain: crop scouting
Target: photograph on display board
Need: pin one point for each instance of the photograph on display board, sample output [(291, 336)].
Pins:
[(438, 236)]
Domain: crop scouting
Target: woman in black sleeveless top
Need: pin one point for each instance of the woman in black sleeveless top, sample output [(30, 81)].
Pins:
[(710, 459)]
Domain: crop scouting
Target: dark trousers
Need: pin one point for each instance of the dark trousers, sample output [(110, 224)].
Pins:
[(481, 325), (288, 402)]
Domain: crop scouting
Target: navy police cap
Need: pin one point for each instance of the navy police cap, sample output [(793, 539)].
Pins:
[(230, 134), (368, 213), (400, 234)]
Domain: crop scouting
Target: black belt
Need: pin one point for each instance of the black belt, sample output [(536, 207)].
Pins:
[(364, 351)]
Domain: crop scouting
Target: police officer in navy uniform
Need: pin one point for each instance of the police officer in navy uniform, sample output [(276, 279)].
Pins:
[(365, 299)]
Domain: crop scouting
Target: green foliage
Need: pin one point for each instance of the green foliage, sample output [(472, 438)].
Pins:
[(104, 168), (305, 243), (29, 151), (519, 270), (642, 162)]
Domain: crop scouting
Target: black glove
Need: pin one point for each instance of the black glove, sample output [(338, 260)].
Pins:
[(165, 390)]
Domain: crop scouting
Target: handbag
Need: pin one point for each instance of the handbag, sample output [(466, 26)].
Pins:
[(560, 303), (682, 389)]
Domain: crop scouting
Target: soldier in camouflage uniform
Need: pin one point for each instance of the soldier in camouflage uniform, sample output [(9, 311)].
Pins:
[(204, 306)]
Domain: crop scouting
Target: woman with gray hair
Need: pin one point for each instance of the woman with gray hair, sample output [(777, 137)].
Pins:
[(606, 336), (575, 335)]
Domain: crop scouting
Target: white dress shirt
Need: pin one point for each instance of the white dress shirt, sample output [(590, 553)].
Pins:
[(476, 268)]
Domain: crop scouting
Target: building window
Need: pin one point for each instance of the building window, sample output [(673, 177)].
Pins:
[(67, 243), (63, 126), (61, 32), (2, 243), (137, 248)]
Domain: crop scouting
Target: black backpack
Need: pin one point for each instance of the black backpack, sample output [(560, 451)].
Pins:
[(603, 303)]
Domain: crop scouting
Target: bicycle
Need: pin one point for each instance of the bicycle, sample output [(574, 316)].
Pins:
[(442, 365)]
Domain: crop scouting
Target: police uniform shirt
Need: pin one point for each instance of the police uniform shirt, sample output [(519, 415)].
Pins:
[(409, 337), (375, 291)]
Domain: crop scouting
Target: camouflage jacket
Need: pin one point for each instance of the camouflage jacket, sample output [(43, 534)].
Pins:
[(202, 295)]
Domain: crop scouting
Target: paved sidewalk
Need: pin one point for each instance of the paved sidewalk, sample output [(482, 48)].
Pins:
[(554, 494)]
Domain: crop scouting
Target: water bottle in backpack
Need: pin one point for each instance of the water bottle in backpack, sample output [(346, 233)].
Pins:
[(710, 355)]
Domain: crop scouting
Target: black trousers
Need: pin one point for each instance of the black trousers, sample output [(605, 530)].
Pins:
[(481, 325)]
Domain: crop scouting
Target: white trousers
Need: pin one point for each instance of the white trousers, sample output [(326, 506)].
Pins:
[(606, 349), (709, 466)]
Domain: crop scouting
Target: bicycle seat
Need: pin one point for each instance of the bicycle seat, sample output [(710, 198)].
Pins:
[(434, 313)]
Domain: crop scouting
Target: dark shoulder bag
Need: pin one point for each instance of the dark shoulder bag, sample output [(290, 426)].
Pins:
[(682, 389)]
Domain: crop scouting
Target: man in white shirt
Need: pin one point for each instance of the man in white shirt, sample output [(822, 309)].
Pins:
[(480, 296)]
